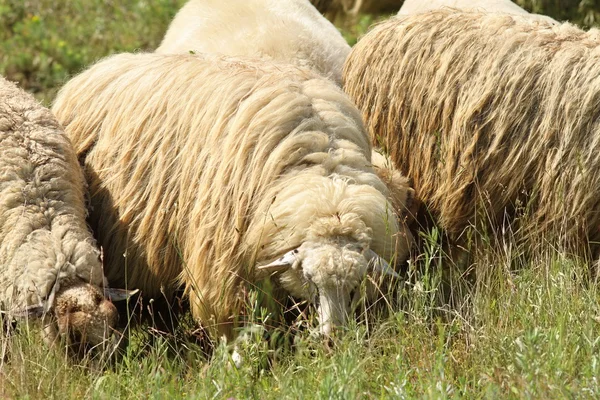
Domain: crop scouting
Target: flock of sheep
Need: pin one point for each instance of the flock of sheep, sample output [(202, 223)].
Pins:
[(242, 149)]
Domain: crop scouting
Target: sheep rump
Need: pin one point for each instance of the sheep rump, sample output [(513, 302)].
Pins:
[(488, 112), (201, 167), (47, 253), (284, 30)]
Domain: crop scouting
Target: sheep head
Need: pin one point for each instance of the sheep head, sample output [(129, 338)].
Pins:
[(85, 314), (328, 274), (81, 313)]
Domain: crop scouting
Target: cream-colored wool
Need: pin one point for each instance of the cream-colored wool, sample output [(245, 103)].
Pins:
[(47, 252), (202, 167), (401, 193), (488, 112), (411, 7), (285, 30)]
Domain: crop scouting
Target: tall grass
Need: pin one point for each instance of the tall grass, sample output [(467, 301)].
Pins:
[(527, 328)]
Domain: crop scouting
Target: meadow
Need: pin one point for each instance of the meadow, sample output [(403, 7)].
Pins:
[(513, 326)]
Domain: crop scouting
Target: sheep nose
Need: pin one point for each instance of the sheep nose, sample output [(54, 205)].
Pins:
[(110, 316), (326, 328), (109, 311), (332, 311)]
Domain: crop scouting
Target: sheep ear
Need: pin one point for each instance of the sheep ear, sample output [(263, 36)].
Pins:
[(283, 263), (378, 265), (118, 294)]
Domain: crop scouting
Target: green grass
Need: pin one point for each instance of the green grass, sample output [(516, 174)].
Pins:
[(42, 42), (521, 328), (526, 332)]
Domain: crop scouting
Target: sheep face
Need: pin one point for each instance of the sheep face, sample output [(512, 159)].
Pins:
[(84, 314), (328, 275)]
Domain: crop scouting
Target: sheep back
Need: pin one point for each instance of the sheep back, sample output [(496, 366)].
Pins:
[(44, 239), (411, 7), (284, 30), (487, 112)]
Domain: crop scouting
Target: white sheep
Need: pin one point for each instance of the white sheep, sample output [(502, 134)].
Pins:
[(49, 263), (216, 172), (285, 30)]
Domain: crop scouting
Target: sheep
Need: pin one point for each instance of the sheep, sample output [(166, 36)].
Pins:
[(309, 40), (285, 30), (215, 172), (488, 114), (412, 7), (49, 262)]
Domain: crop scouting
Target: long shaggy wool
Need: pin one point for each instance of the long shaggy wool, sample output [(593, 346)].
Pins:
[(201, 167), (285, 30), (44, 239), (411, 7), (488, 112)]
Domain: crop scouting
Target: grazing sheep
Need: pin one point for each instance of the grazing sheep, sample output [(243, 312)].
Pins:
[(412, 7), (285, 30), (215, 172), (48, 259), (485, 112)]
